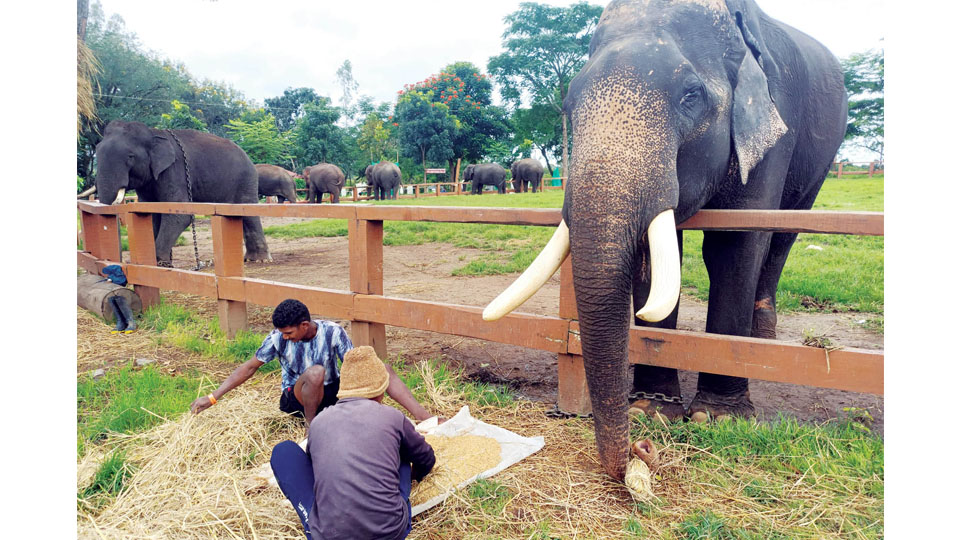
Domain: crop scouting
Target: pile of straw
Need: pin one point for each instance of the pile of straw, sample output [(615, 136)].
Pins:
[(196, 477)]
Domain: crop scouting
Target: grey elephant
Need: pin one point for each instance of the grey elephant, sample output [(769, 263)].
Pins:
[(324, 178), (385, 180), (526, 172), (276, 182), (486, 174), (161, 164), (681, 106)]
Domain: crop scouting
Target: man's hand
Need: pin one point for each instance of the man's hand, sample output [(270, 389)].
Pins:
[(200, 404)]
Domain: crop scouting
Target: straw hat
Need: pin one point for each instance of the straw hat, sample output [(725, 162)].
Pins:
[(362, 374)]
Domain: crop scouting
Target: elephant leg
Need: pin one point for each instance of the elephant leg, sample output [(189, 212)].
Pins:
[(171, 225), (280, 199), (335, 197), (733, 261), (655, 389), (765, 303), (254, 240)]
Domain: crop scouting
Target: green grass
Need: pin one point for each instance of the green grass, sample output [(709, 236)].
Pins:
[(783, 466), (128, 400), (107, 482), (182, 328)]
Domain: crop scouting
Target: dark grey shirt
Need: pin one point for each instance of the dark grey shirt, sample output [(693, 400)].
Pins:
[(356, 448)]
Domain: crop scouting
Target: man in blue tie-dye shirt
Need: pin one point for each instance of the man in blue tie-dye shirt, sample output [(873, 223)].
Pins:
[(308, 352)]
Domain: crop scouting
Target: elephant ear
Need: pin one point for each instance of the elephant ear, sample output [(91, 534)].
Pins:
[(757, 125), (162, 155)]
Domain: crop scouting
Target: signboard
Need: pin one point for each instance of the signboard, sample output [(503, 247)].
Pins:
[(435, 171)]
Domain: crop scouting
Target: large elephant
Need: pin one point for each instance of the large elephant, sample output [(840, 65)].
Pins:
[(526, 172), (160, 164), (384, 178), (681, 106), (276, 182), (486, 174), (324, 178)]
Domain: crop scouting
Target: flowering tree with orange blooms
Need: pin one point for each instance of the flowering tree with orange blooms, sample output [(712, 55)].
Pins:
[(464, 93)]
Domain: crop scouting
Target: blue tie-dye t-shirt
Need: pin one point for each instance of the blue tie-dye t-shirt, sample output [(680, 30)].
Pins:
[(325, 349)]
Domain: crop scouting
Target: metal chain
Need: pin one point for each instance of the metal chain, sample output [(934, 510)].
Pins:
[(658, 396), (193, 219), (556, 412)]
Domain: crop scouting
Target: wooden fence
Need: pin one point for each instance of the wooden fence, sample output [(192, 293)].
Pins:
[(369, 310), (873, 167)]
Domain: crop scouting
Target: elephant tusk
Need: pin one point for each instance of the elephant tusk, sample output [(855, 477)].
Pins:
[(87, 193), (664, 268), (120, 195), (530, 281)]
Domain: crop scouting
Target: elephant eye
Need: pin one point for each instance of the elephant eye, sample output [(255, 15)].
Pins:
[(692, 98)]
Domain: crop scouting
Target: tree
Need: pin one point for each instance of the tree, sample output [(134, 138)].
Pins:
[(465, 92), (216, 103), (260, 139), (426, 129), (318, 138), (180, 118), (863, 78), (375, 137), (290, 107), (539, 125), (545, 48), (349, 86)]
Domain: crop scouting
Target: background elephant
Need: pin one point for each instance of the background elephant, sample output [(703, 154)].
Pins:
[(276, 182), (323, 178), (486, 174), (526, 172), (683, 106), (159, 163), (384, 178)]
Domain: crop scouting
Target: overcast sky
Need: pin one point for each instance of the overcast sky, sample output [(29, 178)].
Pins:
[(261, 48)]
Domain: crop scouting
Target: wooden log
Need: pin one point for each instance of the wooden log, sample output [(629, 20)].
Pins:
[(94, 293)]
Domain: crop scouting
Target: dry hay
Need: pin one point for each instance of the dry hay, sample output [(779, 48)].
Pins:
[(196, 477), (98, 348), (457, 459)]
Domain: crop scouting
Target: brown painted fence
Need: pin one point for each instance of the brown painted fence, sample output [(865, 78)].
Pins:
[(369, 310)]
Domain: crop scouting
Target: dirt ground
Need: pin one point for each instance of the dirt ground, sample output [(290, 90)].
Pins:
[(423, 273)]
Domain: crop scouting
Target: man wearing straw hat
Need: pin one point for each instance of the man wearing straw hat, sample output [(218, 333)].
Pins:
[(308, 351), (354, 480)]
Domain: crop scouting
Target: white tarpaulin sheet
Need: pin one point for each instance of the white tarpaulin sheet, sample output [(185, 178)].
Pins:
[(513, 447)]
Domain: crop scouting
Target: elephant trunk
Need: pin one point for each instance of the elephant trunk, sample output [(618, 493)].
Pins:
[(623, 184)]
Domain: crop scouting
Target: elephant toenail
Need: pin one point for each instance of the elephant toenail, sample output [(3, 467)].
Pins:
[(633, 411), (722, 417), (699, 417)]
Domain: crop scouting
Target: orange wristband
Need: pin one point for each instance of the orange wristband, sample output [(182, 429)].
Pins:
[(213, 400)]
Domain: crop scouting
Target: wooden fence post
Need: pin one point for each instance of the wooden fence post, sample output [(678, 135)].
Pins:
[(872, 165), (365, 238), (839, 169), (101, 235), (143, 251), (572, 394), (228, 262)]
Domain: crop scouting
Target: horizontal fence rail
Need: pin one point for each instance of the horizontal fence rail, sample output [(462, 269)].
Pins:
[(369, 310)]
